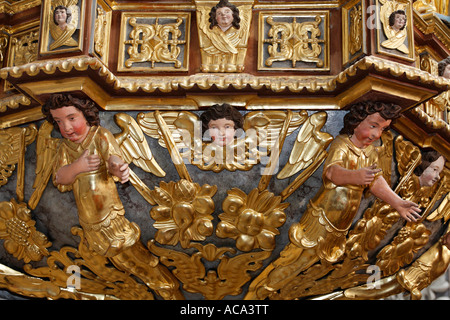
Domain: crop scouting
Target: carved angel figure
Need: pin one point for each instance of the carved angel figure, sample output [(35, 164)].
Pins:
[(393, 18), (87, 162), (65, 21), (349, 170), (223, 36), (255, 141)]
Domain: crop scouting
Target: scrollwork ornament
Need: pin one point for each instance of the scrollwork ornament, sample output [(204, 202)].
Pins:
[(22, 240)]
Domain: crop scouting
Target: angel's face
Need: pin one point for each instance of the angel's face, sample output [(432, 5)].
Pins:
[(221, 131), (72, 123), (399, 22), (224, 17), (61, 16), (431, 174), (446, 73), (369, 130)]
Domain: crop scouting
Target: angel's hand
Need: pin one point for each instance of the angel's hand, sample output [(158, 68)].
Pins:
[(365, 176), (119, 168), (409, 211), (88, 162)]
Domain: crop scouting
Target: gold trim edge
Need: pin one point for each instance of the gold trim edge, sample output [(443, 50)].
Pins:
[(223, 81)]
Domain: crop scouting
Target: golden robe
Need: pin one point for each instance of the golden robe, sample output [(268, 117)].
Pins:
[(329, 215), (100, 209)]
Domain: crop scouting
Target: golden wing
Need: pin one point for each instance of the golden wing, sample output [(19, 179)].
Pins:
[(309, 144), (46, 149), (265, 126), (406, 155), (385, 153), (443, 210), (134, 146), (13, 142), (385, 11), (183, 126)]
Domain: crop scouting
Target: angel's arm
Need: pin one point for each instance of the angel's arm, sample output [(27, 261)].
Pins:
[(66, 175), (341, 176), (408, 210)]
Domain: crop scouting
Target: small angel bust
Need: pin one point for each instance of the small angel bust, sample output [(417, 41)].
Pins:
[(394, 20), (63, 28), (220, 123), (444, 68), (224, 15)]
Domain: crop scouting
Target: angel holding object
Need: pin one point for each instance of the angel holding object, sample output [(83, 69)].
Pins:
[(87, 162), (432, 263), (349, 170)]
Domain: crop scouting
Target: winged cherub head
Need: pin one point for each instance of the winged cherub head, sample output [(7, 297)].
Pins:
[(221, 123)]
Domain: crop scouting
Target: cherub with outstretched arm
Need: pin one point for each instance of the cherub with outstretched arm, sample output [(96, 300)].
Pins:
[(87, 162), (350, 169)]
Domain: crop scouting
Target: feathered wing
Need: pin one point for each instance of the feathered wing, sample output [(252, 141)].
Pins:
[(309, 144), (182, 126), (188, 269), (46, 149), (134, 145), (385, 153), (443, 210), (262, 128), (235, 270), (408, 157)]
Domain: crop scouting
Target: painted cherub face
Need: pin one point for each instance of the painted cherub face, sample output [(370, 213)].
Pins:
[(399, 21), (72, 123), (61, 16), (221, 131), (369, 130), (224, 17), (446, 73), (431, 174)]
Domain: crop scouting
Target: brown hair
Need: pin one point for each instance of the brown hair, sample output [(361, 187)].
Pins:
[(428, 156), (360, 111), (392, 18), (59, 100), (442, 65), (221, 4), (219, 111)]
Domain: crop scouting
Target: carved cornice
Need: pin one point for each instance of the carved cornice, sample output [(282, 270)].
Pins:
[(167, 84), (431, 24), (13, 102), (18, 6)]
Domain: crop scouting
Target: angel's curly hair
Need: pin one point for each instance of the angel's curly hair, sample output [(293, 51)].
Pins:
[(392, 18), (428, 157), (359, 111), (59, 100), (68, 14), (220, 111), (442, 65), (224, 3)]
